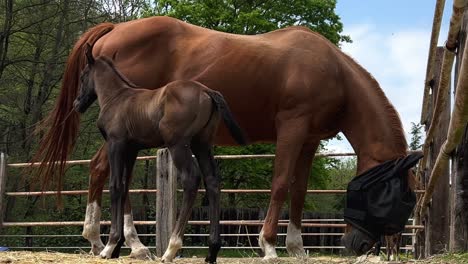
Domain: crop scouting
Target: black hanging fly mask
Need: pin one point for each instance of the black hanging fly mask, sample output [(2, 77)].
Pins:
[(379, 202)]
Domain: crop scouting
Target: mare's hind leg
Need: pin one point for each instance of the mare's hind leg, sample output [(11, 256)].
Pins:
[(291, 136), (99, 171), (204, 154), (182, 158), (297, 192)]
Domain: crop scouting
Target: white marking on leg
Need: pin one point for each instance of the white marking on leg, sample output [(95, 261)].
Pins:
[(294, 244), (139, 250), (91, 227), (107, 251), (267, 248), (175, 243)]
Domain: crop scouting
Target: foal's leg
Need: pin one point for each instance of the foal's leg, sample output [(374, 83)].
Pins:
[(139, 251), (182, 158), (297, 191), (99, 171), (206, 162), (291, 135), (121, 160)]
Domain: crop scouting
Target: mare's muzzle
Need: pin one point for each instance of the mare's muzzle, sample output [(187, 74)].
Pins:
[(358, 242), (378, 202)]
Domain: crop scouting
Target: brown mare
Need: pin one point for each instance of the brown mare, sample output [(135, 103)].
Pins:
[(182, 116), (291, 86)]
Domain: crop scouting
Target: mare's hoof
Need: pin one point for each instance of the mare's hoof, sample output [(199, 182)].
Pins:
[(96, 250), (166, 260), (141, 253), (296, 252)]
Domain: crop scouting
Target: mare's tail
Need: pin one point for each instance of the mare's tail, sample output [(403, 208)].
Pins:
[(231, 123), (63, 122)]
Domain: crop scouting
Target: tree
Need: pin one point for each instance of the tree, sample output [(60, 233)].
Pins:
[(255, 16), (416, 136)]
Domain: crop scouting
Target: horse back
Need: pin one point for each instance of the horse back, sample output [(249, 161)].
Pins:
[(257, 75)]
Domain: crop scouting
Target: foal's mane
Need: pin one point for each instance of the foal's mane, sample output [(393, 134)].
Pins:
[(122, 77), (392, 114)]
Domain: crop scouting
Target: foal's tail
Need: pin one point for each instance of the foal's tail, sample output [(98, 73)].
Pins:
[(231, 123)]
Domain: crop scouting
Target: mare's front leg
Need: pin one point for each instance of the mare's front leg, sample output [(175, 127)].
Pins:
[(297, 192), (204, 154), (121, 161), (291, 136), (182, 157)]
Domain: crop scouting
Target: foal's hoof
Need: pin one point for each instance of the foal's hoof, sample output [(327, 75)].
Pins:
[(140, 253), (106, 253), (208, 260)]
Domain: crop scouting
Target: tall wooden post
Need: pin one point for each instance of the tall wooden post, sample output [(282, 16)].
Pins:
[(3, 177), (437, 220), (166, 200), (459, 188)]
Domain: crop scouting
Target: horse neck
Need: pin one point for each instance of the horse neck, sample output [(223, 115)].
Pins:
[(108, 86), (372, 124)]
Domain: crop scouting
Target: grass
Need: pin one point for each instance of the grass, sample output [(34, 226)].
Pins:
[(448, 258)]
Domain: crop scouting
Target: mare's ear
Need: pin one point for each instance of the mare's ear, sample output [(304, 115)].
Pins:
[(89, 54)]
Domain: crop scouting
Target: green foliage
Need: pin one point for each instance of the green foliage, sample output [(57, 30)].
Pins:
[(339, 176), (416, 136), (255, 16)]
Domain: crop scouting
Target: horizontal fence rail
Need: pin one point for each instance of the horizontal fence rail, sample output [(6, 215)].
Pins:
[(222, 157), (191, 222), (256, 191), (314, 223)]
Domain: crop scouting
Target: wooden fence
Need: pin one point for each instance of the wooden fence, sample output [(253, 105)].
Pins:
[(446, 218), (166, 208)]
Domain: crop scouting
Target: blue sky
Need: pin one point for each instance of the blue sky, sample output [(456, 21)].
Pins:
[(391, 40)]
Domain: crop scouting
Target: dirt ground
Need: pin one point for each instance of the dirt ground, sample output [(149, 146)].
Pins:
[(66, 258)]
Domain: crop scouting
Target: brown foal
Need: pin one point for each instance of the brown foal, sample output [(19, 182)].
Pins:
[(182, 116)]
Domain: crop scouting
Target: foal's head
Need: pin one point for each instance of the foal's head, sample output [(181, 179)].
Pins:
[(87, 93)]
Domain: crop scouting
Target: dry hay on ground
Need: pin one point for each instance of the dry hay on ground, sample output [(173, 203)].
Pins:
[(28, 257)]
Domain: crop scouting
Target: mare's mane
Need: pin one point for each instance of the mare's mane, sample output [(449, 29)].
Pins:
[(392, 114)]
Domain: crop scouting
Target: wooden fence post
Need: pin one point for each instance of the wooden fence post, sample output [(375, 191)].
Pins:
[(166, 204), (437, 220), (3, 177), (459, 188)]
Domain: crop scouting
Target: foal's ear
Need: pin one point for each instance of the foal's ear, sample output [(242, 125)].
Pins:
[(89, 53)]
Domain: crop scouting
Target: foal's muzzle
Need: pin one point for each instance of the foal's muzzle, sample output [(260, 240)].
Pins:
[(77, 106), (82, 103)]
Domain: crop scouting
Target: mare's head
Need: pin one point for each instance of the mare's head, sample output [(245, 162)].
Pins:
[(87, 94), (379, 202)]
